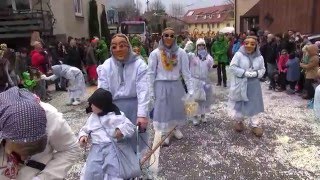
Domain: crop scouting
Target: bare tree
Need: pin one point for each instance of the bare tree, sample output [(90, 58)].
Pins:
[(177, 10), (128, 11), (139, 6), (157, 6)]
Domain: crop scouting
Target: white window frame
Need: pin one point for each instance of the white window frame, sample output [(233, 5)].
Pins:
[(14, 6), (75, 4)]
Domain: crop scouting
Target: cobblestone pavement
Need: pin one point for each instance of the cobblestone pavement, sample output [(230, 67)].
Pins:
[(289, 148)]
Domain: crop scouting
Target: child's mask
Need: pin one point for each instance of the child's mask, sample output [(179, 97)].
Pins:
[(120, 48), (136, 50), (250, 45)]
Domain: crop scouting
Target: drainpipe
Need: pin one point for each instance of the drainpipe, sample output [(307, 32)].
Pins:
[(313, 17), (235, 16)]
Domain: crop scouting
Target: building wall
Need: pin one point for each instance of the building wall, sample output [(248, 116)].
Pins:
[(67, 23), (242, 6), (297, 15), (215, 27)]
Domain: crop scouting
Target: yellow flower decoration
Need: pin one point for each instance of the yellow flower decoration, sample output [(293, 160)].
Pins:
[(168, 64)]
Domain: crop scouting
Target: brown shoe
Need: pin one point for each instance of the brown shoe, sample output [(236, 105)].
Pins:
[(238, 126), (257, 131)]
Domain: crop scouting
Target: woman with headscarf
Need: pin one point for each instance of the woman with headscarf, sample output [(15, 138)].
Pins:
[(245, 96), (76, 87), (124, 75), (166, 65), (200, 65), (37, 143)]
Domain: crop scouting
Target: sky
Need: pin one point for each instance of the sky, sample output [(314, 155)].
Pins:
[(194, 4)]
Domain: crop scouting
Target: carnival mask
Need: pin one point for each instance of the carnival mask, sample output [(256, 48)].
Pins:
[(250, 45), (136, 50), (120, 48), (168, 38)]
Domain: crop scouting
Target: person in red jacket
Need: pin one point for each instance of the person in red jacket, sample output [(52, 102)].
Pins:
[(38, 58), (282, 68)]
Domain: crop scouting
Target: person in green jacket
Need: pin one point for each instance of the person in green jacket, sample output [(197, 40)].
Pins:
[(219, 50), (102, 51)]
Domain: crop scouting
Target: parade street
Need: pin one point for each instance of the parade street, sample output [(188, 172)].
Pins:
[(289, 148)]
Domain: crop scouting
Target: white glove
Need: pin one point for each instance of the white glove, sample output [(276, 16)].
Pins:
[(254, 74), (251, 74), (44, 77)]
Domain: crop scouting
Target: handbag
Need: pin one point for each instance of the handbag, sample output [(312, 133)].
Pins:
[(129, 165), (199, 92)]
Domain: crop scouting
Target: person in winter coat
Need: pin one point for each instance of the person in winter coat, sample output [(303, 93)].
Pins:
[(166, 65), (311, 68), (38, 58), (219, 50), (245, 96), (76, 87), (124, 74), (293, 72), (72, 57), (236, 46), (106, 125), (36, 141), (269, 53), (91, 62), (282, 69), (22, 62), (5, 79), (200, 66)]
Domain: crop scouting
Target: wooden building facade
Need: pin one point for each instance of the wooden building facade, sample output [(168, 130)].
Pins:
[(279, 16)]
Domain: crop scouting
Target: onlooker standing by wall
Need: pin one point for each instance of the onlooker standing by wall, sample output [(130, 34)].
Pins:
[(219, 50)]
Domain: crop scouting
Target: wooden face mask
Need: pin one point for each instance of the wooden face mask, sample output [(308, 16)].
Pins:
[(120, 48), (168, 37), (250, 45)]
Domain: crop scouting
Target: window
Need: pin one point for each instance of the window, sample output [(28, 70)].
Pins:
[(212, 25), (218, 25), (202, 26), (78, 7), (20, 5), (228, 24), (190, 13), (208, 26), (15, 5), (195, 25), (5, 5)]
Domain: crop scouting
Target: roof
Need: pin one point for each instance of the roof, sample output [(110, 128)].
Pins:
[(213, 14), (254, 11)]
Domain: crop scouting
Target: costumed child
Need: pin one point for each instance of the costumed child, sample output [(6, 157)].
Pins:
[(106, 127), (138, 48), (245, 95), (76, 86), (200, 65), (316, 104)]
